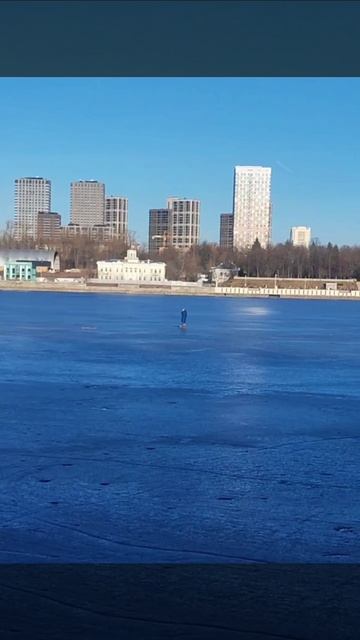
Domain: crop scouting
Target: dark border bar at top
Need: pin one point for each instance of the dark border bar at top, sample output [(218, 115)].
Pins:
[(179, 38)]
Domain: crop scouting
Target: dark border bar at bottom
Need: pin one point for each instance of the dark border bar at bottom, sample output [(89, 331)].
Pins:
[(294, 602)]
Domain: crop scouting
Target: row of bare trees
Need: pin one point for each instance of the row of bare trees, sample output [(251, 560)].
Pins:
[(284, 260)]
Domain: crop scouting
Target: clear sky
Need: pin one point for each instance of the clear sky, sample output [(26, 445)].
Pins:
[(148, 138)]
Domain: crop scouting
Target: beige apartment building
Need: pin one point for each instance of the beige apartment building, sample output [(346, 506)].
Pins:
[(252, 206), (31, 196), (184, 222), (300, 236), (116, 215), (87, 203)]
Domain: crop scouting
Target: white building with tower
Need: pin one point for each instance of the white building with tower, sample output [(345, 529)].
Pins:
[(252, 206), (131, 270), (300, 236)]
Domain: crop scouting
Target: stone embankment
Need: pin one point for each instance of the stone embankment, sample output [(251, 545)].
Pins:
[(91, 287), (185, 289)]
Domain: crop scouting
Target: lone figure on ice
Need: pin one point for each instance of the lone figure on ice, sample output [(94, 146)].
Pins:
[(183, 318)]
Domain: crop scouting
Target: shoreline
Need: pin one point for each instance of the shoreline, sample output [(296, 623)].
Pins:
[(173, 290)]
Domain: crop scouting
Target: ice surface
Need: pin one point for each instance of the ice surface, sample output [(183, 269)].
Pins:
[(124, 439)]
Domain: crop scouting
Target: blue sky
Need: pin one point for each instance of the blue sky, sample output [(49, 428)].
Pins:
[(148, 138)]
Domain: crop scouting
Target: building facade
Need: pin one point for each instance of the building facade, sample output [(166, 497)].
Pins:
[(159, 230), (226, 230), (48, 225), (116, 216), (96, 232), (252, 206), (223, 272), (300, 236), (20, 270), (131, 270), (40, 257), (87, 203), (31, 196), (184, 222)]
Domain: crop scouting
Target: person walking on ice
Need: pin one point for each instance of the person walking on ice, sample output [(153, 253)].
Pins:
[(183, 317)]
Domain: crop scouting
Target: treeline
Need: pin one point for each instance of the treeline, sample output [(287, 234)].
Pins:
[(319, 261), (283, 260)]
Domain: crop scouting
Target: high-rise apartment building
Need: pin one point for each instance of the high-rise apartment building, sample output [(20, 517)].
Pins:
[(252, 206), (226, 230), (48, 225), (31, 196), (159, 229), (178, 225), (300, 236), (184, 222), (116, 215), (87, 203)]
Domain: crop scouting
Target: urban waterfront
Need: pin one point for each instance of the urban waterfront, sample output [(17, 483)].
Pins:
[(125, 439)]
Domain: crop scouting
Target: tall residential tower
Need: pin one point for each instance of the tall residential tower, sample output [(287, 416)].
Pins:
[(159, 230), (184, 222), (226, 230), (87, 203), (32, 195), (176, 226), (116, 216), (252, 206), (49, 225)]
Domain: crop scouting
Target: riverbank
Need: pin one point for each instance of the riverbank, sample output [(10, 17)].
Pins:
[(83, 287), (178, 290)]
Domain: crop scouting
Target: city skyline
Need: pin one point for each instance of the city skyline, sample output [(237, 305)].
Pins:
[(147, 149), (114, 212), (100, 216)]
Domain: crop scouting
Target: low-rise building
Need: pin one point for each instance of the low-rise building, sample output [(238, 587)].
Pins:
[(131, 269), (40, 257), (223, 272), (20, 270)]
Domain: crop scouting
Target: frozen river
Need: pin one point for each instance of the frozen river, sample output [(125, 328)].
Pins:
[(124, 439)]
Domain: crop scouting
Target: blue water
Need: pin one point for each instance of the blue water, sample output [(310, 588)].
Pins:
[(125, 439)]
